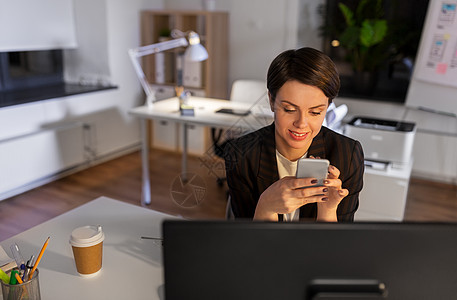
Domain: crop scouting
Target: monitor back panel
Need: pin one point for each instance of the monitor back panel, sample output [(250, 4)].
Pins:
[(256, 260)]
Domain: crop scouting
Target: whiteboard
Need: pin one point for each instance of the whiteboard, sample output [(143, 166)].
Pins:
[(434, 82)]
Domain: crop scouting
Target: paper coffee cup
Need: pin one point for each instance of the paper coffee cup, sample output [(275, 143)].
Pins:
[(87, 245)]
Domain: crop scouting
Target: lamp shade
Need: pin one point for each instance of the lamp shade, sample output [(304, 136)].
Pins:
[(196, 53)]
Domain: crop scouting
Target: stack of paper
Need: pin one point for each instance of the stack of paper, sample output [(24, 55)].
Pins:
[(6, 263)]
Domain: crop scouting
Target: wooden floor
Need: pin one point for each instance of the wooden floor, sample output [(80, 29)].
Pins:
[(121, 179)]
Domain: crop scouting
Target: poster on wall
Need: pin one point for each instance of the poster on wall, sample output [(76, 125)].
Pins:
[(438, 61)]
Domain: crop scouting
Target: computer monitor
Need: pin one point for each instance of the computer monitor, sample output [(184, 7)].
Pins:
[(263, 260)]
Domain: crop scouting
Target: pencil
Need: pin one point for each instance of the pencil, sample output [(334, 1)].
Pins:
[(24, 293), (19, 279), (39, 258)]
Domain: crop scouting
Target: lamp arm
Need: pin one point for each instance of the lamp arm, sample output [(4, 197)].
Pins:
[(136, 53), (159, 47)]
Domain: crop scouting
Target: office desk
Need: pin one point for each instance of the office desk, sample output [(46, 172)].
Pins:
[(205, 114), (132, 267)]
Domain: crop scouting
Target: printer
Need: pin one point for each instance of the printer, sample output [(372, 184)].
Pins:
[(385, 142)]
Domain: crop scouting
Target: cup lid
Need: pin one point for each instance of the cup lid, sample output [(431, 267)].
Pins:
[(87, 236)]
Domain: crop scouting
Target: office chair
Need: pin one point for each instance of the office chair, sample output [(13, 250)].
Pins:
[(243, 90), (247, 90)]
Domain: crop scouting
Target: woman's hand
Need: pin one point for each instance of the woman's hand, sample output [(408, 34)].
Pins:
[(286, 195), (326, 211)]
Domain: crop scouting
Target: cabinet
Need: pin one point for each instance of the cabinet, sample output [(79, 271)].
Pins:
[(205, 79), (383, 197)]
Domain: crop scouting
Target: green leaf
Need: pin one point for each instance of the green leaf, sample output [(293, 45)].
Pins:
[(347, 13), (350, 37), (380, 31), (372, 32), (360, 10)]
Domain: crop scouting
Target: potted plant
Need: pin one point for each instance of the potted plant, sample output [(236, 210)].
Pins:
[(362, 34), (364, 37), (374, 43)]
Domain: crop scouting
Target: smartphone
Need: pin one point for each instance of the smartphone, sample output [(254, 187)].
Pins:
[(232, 111), (313, 168)]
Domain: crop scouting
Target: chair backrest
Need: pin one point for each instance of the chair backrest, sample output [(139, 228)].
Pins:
[(248, 90)]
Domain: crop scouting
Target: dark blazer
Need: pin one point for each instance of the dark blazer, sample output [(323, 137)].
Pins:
[(251, 167)]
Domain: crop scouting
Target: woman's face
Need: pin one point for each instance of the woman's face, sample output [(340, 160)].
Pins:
[(299, 111)]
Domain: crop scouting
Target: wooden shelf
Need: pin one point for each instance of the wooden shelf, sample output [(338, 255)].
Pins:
[(213, 30)]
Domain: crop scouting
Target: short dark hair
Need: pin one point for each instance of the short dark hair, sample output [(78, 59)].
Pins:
[(306, 65)]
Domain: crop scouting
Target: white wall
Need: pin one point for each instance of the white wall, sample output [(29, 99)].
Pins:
[(258, 31), (309, 22), (36, 25), (106, 30), (88, 63), (32, 141)]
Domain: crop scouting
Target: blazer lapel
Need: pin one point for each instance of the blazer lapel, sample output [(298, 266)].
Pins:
[(317, 148), (268, 168)]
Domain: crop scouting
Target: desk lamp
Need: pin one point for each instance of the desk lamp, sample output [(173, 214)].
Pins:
[(195, 52)]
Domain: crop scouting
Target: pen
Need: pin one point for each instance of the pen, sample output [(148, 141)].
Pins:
[(28, 267), (24, 290), (151, 238), (38, 258), (13, 279)]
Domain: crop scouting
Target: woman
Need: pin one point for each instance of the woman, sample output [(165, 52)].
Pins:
[(260, 166)]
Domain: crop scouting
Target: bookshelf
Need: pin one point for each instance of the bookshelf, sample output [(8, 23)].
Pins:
[(208, 78), (212, 81)]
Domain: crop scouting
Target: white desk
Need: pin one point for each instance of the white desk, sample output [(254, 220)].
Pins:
[(132, 267), (205, 114)]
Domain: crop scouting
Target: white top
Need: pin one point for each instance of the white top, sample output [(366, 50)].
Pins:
[(288, 168)]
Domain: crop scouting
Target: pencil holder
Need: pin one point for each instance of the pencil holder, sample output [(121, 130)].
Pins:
[(29, 290)]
